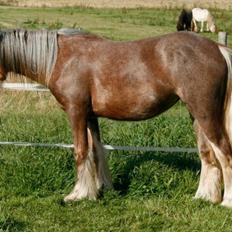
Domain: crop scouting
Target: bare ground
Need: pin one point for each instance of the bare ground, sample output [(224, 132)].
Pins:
[(220, 4)]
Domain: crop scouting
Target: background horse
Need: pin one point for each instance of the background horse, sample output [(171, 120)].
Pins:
[(203, 15), (94, 77), (184, 21)]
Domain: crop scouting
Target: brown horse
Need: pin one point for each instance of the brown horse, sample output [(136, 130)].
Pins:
[(94, 77)]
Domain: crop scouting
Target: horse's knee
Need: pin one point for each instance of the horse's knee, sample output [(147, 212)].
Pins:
[(80, 155)]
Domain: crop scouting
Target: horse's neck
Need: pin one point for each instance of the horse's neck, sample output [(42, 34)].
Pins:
[(210, 19)]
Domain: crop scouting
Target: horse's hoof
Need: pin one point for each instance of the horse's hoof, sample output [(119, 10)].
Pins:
[(227, 203), (214, 200), (75, 196), (72, 197)]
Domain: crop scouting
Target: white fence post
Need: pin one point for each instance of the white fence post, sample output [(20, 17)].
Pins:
[(222, 37)]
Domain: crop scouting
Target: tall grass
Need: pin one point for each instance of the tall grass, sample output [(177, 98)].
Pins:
[(152, 191)]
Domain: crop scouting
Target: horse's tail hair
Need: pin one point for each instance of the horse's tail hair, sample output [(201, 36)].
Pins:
[(227, 54)]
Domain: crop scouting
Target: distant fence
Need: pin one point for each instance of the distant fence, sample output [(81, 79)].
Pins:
[(40, 88)]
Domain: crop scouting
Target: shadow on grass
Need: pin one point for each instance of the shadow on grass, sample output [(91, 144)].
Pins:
[(10, 224), (177, 161)]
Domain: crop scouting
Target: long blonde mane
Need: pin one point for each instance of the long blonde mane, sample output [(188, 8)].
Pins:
[(29, 52)]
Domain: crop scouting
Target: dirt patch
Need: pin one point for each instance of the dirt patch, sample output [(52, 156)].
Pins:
[(220, 4)]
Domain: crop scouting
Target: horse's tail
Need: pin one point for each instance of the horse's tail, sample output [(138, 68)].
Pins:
[(227, 54)]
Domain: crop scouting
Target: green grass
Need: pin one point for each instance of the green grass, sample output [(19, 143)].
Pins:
[(152, 191), (117, 24)]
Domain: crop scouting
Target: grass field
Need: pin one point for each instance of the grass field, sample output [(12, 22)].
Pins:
[(152, 191)]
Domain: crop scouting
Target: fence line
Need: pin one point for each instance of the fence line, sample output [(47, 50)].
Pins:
[(24, 87), (38, 88), (107, 147)]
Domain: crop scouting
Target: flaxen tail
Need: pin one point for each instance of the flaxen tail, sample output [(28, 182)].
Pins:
[(227, 53)]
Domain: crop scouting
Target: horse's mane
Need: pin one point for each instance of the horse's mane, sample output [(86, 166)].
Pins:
[(34, 50)]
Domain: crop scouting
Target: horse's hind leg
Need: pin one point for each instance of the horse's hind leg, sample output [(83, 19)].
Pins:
[(202, 26), (194, 27), (103, 179), (211, 174), (224, 155), (215, 133), (207, 26)]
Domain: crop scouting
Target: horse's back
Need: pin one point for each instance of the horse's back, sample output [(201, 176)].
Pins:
[(200, 14), (149, 75)]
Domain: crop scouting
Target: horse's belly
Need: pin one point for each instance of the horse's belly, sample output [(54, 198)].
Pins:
[(135, 107), (125, 110)]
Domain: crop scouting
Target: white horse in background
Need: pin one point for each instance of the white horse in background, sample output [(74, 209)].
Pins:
[(203, 15)]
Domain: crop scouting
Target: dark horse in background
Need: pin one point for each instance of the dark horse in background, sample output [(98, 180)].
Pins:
[(184, 22), (188, 20), (94, 77)]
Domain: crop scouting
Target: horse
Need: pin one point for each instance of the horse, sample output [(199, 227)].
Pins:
[(203, 15), (185, 20), (92, 77)]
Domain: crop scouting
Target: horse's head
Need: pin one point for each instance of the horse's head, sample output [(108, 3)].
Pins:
[(212, 28), (211, 23)]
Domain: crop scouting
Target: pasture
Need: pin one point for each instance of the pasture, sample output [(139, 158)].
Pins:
[(152, 191)]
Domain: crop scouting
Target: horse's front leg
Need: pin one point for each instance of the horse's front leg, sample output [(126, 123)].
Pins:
[(202, 26), (207, 26), (194, 27), (103, 178), (85, 186)]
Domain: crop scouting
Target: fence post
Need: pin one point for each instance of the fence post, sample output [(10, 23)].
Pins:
[(222, 37)]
